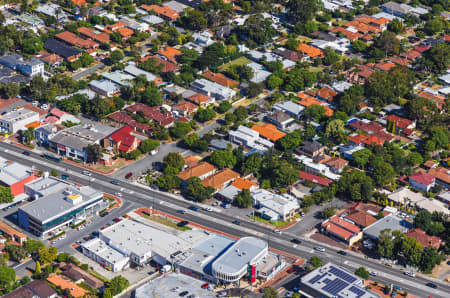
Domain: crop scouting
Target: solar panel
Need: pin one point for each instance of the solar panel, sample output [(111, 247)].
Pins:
[(342, 274), (316, 278), (335, 286), (357, 291)]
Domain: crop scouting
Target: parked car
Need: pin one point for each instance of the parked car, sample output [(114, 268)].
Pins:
[(115, 182), (104, 214), (184, 293), (182, 223), (237, 222), (193, 208), (342, 252), (128, 176), (319, 248), (225, 205), (291, 270)]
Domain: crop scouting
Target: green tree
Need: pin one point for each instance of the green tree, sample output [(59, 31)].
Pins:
[(388, 43), (224, 107), (290, 141), (396, 26), (356, 186), (17, 253), (315, 261), (383, 172), (196, 189), (270, 292), (331, 57), (328, 212), (86, 59), (414, 158), (274, 82), (32, 45), (94, 152), (284, 175), (359, 45), (37, 269), (5, 194), (362, 272), (361, 157), (47, 255), (252, 164), (148, 145), (107, 294), (180, 129), (334, 128), (243, 199), (168, 182), (258, 29), (434, 26), (254, 89), (33, 246), (223, 159), (303, 11), (412, 251), (386, 245), (204, 115), (117, 285), (174, 159), (116, 56), (7, 276), (429, 146)]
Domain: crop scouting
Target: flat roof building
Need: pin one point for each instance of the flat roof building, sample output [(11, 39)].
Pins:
[(17, 120), (15, 176), (213, 89), (62, 205), (391, 222), (333, 281)]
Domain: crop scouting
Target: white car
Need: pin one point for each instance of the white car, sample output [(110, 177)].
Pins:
[(409, 273), (118, 194), (87, 173), (373, 273), (209, 209), (278, 231), (319, 248)]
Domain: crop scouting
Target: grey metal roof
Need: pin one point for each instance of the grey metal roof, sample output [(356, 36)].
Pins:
[(391, 222), (79, 136), (12, 172)]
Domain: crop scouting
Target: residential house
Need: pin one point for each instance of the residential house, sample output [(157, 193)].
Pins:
[(63, 50), (221, 79), (279, 118), (167, 65), (162, 11), (274, 207), (360, 218), (372, 128), (35, 289), (290, 108), (249, 138), (119, 78), (336, 164), (75, 41), (442, 176), (348, 150), (100, 37), (12, 233), (19, 119), (291, 55), (260, 74), (65, 283), (51, 60), (79, 275), (213, 89), (405, 197), (122, 140), (326, 94), (201, 170), (200, 99), (163, 118), (52, 10), (242, 183), (402, 125), (317, 168), (63, 116), (424, 239), (342, 229), (268, 131), (310, 51), (135, 71), (184, 109), (105, 87), (221, 179), (359, 139), (307, 100), (422, 181), (315, 179), (311, 149)]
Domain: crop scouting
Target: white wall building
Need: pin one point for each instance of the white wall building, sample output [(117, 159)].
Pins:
[(284, 206), (16, 120)]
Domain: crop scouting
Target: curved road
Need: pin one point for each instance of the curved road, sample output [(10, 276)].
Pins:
[(223, 222)]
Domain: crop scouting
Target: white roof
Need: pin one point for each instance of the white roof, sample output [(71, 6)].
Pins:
[(445, 78), (103, 250), (289, 107), (282, 205), (135, 71), (152, 19), (12, 172)]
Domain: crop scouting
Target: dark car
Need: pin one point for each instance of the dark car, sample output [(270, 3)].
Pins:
[(431, 285), (237, 222), (182, 223), (181, 211), (184, 293), (296, 241), (65, 177), (26, 153), (115, 182), (193, 208), (104, 214), (128, 176), (342, 252)]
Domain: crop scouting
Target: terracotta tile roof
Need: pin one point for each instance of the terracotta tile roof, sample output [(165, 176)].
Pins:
[(220, 179), (75, 40), (310, 50), (80, 3), (4, 103), (101, 37), (399, 121), (191, 160), (269, 131), (125, 32), (365, 71), (242, 183), (337, 163), (367, 37), (220, 79), (422, 49), (303, 95), (439, 100), (34, 124), (326, 93), (385, 66), (447, 37), (153, 113), (50, 59), (440, 173), (198, 170), (381, 21), (76, 273), (170, 53), (11, 232), (412, 55), (372, 128), (65, 283), (422, 178), (337, 230), (168, 66), (140, 126), (124, 138), (186, 106), (312, 101), (361, 218), (350, 35), (400, 61), (199, 98), (344, 224), (423, 238), (429, 164), (368, 140), (120, 117), (114, 27), (162, 11), (315, 179)]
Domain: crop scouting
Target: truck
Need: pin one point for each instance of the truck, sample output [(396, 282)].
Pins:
[(166, 268)]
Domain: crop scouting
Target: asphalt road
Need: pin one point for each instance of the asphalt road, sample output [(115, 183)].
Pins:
[(222, 222), (88, 71)]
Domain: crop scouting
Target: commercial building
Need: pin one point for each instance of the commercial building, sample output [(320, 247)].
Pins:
[(290, 108), (273, 206), (201, 170), (57, 204), (220, 179), (332, 281), (342, 229), (105, 255), (15, 176), (391, 222), (250, 138), (17, 120)]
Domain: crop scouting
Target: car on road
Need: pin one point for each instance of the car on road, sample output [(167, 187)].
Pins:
[(205, 285), (181, 211), (302, 213), (431, 285), (86, 173), (215, 203), (128, 176), (319, 248), (27, 153), (209, 209), (373, 273), (237, 222), (116, 219), (225, 205), (64, 177), (193, 208), (278, 232), (184, 293), (289, 294), (342, 252), (118, 194), (182, 223), (291, 270), (115, 182), (296, 241), (409, 273), (104, 214)]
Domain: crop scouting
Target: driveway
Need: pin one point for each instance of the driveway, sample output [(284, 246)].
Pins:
[(88, 71)]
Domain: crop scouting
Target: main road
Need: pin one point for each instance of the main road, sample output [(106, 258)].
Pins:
[(223, 222)]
